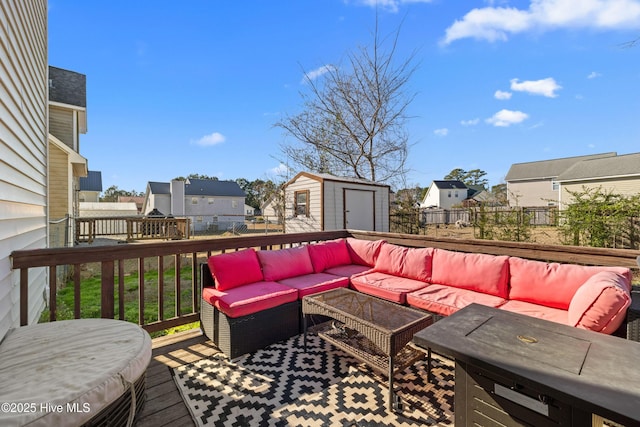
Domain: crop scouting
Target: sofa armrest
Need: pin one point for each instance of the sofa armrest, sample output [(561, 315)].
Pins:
[(206, 279), (633, 315)]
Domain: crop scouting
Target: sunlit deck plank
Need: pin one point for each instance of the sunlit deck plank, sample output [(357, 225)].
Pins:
[(164, 405)]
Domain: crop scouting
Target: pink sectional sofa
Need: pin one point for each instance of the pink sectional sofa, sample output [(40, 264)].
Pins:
[(252, 298)]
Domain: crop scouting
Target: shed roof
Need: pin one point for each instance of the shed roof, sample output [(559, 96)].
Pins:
[(92, 182), (607, 167), (328, 177), (546, 169)]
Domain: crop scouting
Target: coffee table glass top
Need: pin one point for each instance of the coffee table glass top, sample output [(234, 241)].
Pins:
[(384, 314)]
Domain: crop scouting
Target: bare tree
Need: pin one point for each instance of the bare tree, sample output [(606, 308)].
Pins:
[(353, 118)]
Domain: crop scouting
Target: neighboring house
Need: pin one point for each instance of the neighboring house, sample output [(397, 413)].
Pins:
[(90, 187), (272, 209), (211, 205), (535, 184), (138, 200), (317, 202), (23, 154), (444, 194), (67, 120), (249, 210), (618, 175)]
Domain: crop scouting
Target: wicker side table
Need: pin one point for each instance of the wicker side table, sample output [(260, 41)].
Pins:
[(633, 315)]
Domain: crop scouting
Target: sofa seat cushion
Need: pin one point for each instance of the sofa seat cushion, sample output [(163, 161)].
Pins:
[(484, 273), (308, 284), (446, 300), (551, 284), (329, 254), (386, 286), (536, 310), (284, 263), (409, 263), (364, 252), (348, 270), (235, 269), (601, 303), (251, 298)]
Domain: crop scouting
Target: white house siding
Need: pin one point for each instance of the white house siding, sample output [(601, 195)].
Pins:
[(23, 151), (532, 193), (300, 223), (629, 186), (162, 202), (220, 214)]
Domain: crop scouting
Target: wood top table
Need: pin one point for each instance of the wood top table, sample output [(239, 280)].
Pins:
[(589, 372), (371, 329)]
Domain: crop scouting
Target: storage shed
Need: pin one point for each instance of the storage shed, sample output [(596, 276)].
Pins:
[(319, 202)]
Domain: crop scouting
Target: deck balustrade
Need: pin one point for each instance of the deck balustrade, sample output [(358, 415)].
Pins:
[(189, 253)]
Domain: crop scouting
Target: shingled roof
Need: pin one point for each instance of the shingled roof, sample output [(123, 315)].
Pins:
[(546, 169), (201, 187), (92, 182), (450, 185), (608, 167)]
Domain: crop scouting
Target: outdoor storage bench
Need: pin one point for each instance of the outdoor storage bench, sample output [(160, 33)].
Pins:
[(250, 284)]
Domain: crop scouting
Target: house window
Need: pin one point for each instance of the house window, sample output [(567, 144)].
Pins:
[(194, 200), (449, 195), (234, 203), (211, 200), (301, 202), (456, 194), (555, 185)]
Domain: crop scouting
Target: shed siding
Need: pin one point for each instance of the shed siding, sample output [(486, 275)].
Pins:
[(532, 193), (299, 224), (23, 151), (61, 125)]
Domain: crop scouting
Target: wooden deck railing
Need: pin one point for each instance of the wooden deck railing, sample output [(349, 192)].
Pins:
[(113, 260), (134, 228)]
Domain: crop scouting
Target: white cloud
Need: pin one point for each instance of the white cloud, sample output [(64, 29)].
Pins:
[(497, 23), (471, 122), (279, 170), (593, 75), (506, 118), (314, 74), (389, 5), (214, 138), (441, 132), (545, 87), (502, 95)]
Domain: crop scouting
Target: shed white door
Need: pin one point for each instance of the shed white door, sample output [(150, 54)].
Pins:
[(359, 210)]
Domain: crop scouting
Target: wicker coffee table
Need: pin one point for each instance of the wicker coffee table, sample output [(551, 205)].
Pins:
[(372, 330)]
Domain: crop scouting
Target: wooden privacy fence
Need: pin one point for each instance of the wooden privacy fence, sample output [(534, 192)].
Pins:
[(534, 216), (134, 228)]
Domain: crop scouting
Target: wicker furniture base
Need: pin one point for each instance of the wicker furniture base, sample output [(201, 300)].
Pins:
[(118, 413), (373, 330), (246, 334)]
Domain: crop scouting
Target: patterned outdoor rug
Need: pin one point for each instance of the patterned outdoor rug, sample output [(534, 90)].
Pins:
[(283, 385)]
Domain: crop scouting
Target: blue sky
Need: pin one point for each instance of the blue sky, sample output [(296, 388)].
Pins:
[(175, 88)]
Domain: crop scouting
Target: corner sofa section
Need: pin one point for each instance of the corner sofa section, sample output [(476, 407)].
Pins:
[(252, 298)]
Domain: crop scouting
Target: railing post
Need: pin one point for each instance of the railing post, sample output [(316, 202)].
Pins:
[(24, 296), (106, 291)]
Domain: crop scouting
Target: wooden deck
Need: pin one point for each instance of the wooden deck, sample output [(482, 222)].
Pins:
[(164, 405)]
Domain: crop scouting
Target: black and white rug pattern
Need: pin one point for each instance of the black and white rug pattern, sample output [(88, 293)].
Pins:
[(282, 385)]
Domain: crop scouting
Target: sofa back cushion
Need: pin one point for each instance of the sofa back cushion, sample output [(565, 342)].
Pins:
[(235, 269), (411, 263), (284, 263), (484, 273), (329, 254), (601, 303), (364, 252), (551, 284)]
